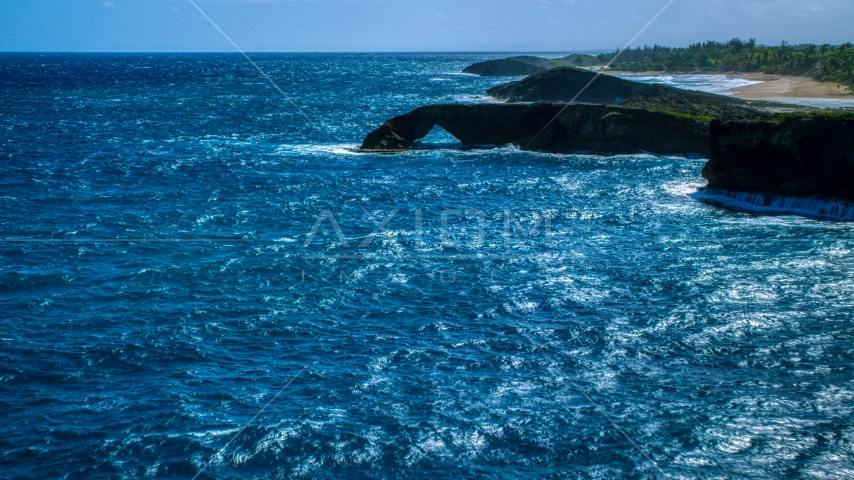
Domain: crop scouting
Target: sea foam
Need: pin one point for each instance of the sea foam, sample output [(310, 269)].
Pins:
[(780, 205), (720, 84)]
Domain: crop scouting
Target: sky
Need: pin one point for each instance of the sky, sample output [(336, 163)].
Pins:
[(410, 25)]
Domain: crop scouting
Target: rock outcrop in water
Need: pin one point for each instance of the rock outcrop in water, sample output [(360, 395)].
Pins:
[(602, 129), (525, 65), (792, 154), (665, 121), (510, 67), (563, 84), (803, 154)]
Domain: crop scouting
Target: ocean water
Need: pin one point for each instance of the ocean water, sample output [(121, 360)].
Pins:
[(169, 263)]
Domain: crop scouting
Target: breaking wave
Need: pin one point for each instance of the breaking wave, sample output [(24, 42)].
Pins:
[(720, 84), (780, 205)]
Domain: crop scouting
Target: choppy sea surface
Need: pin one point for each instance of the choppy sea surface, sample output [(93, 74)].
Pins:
[(179, 244)]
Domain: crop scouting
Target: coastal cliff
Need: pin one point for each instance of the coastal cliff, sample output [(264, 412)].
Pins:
[(795, 155), (600, 129)]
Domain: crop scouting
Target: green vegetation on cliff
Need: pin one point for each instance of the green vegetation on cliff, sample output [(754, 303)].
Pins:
[(826, 63), (701, 118)]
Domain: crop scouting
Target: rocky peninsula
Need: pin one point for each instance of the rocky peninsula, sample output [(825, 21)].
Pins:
[(526, 65), (603, 129), (563, 84), (792, 67), (617, 116), (752, 146)]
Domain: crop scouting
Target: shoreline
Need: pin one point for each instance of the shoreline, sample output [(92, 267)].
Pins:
[(772, 86), (784, 86)]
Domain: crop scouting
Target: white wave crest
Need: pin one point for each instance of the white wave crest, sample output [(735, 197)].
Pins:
[(720, 84), (468, 98), (773, 204), (320, 149)]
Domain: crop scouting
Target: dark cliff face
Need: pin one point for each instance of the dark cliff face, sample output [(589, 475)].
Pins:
[(600, 129), (562, 84), (796, 155)]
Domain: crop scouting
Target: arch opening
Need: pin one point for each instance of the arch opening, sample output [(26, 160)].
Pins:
[(438, 138)]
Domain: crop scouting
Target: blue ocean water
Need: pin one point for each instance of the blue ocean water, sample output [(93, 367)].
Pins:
[(169, 262)]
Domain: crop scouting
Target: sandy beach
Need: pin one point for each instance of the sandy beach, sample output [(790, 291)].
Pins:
[(781, 86)]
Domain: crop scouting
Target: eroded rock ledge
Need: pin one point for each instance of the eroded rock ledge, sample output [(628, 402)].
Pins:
[(600, 129)]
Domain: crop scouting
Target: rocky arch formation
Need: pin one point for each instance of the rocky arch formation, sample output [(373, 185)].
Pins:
[(603, 129)]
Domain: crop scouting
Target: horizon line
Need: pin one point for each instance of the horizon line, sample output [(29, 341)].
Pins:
[(142, 52), (353, 52)]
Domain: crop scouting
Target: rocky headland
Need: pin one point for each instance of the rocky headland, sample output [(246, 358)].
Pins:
[(616, 116), (753, 146), (564, 84), (603, 129), (806, 71), (526, 65)]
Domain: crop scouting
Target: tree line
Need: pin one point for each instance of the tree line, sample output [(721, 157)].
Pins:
[(826, 63)]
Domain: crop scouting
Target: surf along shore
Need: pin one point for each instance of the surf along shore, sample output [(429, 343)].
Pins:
[(771, 86)]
